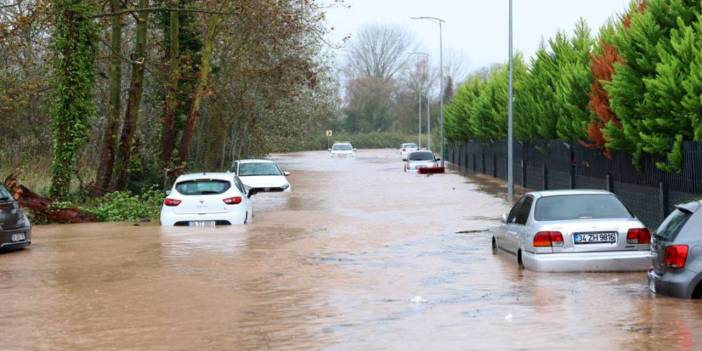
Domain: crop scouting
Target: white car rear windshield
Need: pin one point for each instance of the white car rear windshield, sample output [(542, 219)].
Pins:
[(342, 147), (410, 146), (203, 187), (421, 156), (258, 169), (571, 207)]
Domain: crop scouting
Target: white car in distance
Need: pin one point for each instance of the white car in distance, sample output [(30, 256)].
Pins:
[(262, 176), (420, 159), (406, 149), (342, 150), (207, 199)]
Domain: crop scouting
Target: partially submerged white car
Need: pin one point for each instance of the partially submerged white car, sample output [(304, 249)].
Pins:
[(207, 199), (421, 159), (406, 149), (342, 150), (262, 176)]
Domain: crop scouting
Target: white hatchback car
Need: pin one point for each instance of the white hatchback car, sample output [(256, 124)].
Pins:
[(406, 149), (342, 150), (420, 159), (205, 199), (262, 175)]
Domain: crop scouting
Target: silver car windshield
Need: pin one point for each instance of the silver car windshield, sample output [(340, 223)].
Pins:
[(672, 225), (410, 146), (258, 169), (342, 147), (586, 206), (421, 156)]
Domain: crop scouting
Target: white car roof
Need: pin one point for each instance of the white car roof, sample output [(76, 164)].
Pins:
[(205, 175), (255, 161), (570, 192)]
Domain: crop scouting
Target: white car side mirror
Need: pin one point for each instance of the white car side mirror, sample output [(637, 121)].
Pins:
[(504, 218), (286, 173)]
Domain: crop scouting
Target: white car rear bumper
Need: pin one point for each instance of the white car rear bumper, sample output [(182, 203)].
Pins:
[(616, 261), (234, 217)]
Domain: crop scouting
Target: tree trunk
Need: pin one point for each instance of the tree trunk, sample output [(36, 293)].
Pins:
[(171, 101), (107, 152), (200, 88), (136, 89)]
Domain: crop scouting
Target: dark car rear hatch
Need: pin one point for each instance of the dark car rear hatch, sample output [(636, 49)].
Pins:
[(9, 210)]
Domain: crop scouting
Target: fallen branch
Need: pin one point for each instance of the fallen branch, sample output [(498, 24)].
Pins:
[(41, 206)]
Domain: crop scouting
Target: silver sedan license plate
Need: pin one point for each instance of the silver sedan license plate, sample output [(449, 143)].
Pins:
[(18, 237), (595, 238)]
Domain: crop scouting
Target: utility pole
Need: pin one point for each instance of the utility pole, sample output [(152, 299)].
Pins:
[(510, 121), (441, 80), (420, 89)]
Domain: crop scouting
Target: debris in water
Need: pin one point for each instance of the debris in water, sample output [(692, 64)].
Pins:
[(419, 299), (508, 317)]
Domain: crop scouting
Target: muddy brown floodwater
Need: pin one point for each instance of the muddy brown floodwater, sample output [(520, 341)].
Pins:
[(361, 256)]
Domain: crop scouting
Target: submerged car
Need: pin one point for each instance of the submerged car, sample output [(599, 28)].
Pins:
[(341, 150), (420, 159), (207, 199), (677, 253), (406, 149), (15, 228), (262, 175), (574, 230)]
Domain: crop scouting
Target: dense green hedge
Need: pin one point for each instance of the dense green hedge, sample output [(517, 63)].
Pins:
[(637, 88)]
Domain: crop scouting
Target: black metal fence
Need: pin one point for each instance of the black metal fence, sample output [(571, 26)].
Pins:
[(549, 165)]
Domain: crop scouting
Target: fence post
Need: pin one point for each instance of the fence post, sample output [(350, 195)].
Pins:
[(483, 159), (609, 182), (494, 165), (524, 173), (572, 167), (545, 175), (663, 199)]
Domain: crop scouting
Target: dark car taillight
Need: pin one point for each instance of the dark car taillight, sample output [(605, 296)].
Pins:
[(676, 256), (171, 202), (233, 200), (548, 239), (638, 236)]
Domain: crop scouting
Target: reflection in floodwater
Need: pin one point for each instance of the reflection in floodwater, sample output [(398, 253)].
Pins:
[(359, 256)]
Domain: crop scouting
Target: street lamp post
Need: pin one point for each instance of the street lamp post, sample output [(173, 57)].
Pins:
[(510, 122), (420, 93), (441, 78)]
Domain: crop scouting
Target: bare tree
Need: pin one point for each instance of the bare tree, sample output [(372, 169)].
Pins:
[(379, 51)]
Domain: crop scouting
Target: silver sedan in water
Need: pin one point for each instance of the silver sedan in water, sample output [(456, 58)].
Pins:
[(574, 230)]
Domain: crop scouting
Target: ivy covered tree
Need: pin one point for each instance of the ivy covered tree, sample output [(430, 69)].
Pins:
[(73, 42)]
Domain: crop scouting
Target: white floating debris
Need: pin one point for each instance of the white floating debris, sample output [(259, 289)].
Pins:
[(508, 317), (419, 299)]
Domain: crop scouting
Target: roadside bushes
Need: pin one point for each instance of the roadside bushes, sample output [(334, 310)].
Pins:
[(125, 206), (637, 88)]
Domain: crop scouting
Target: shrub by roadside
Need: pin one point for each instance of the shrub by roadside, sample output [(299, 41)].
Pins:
[(125, 206)]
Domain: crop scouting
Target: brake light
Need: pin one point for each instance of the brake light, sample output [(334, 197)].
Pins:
[(638, 236), (171, 202), (675, 256), (232, 200), (548, 239)]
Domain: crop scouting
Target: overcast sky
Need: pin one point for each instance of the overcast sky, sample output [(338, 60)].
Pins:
[(476, 29)]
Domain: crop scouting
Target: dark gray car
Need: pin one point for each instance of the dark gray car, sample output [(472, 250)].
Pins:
[(15, 229), (676, 251)]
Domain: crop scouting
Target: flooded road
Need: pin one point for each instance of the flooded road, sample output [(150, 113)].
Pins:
[(361, 256)]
